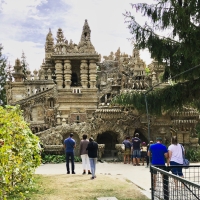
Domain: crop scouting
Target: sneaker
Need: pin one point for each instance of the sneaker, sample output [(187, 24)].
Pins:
[(92, 178), (73, 173), (84, 172), (89, 173), (68, 172)]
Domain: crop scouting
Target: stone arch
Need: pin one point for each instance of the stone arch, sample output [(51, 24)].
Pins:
[(108, 126), (108, 138)]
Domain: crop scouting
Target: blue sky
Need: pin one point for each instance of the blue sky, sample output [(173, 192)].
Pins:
[(24, 25)]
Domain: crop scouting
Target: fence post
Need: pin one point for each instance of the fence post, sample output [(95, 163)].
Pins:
[(166, 187), (152, 183)]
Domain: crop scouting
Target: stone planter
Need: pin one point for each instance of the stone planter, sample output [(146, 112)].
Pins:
[(194, 140)]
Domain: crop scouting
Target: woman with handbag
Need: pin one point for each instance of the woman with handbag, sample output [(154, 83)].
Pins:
[(176, 155)]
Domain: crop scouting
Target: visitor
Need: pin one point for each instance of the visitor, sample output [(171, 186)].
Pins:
[(92, 153), (176, 156), (69, 145), (143, 152), (148, 158), (136, 149), (158, 152), (127, 152), (84, 155)]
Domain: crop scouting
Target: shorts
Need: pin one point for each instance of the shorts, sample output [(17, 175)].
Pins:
[(176, 170), (127, 152), (143, 154), (136, 154)]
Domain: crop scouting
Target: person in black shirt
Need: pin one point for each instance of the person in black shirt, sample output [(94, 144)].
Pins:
[(136, 149), (92, 149)]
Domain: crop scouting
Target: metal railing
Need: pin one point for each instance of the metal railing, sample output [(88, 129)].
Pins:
[(167, 186)]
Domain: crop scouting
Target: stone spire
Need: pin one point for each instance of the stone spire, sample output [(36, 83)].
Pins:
[(85, 45), (49, 42), (60, 36), (18, 71), (86, 32)]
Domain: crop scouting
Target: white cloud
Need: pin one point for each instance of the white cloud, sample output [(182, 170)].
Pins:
[(26, 23)]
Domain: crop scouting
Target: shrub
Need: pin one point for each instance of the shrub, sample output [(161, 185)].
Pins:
[(193, 155), (48, 158), (19, 155)]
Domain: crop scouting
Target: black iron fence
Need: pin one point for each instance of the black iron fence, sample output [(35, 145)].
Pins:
[(167, 186)]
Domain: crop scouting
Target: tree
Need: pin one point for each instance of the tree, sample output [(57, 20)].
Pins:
[(3, 77), (19, 154), (179, 51)]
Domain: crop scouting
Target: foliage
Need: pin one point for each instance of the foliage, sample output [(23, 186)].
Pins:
[(177, 46), (198, 131), (193, 155), (168, 99), (147, 71), (48, 158), (20, 154), (3, 77)]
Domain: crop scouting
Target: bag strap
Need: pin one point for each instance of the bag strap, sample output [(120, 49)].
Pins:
[(183, 155)]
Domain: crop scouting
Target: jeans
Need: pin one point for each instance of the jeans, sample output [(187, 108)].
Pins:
[(93, 162), (70, 155), (85, 162)]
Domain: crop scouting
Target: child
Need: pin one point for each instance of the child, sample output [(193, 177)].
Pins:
[(143, 152)]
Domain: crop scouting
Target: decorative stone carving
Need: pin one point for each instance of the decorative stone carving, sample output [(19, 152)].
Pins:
[(59, 73), (84, 73), (101, 148), (67, 73), (120, 148)]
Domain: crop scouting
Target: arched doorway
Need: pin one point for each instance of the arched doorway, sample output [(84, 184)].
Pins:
[(109, 139)]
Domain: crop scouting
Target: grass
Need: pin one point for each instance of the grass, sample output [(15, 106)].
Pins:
[(80, 187)]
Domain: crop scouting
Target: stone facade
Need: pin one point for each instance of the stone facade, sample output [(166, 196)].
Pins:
[(73, 89)]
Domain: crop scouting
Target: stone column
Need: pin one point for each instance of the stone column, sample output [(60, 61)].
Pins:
[(59, 74), (84, 73), (93, 73), (49, 74), (67, 73)]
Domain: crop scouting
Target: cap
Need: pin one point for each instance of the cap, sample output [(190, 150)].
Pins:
[(159, 139), (144, 143)]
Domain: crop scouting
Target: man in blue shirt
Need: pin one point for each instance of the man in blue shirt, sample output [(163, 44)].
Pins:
[(158, 152), (69, 145)]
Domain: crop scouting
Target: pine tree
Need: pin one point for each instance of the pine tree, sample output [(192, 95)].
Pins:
[(3, 77), (179, 51)]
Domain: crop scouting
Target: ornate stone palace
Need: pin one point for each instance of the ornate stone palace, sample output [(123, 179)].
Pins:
[(73, 89)]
